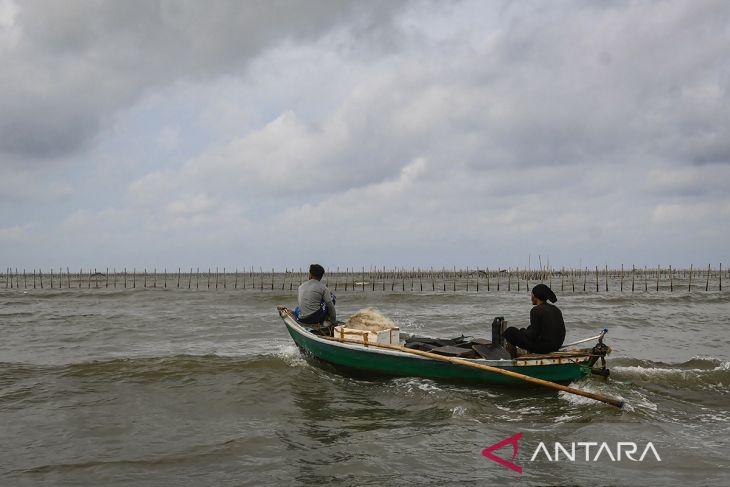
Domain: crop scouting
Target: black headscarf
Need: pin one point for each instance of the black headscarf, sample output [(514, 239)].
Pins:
[(544, 293)]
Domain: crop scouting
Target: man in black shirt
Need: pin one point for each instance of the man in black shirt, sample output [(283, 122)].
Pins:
[(547, 328)]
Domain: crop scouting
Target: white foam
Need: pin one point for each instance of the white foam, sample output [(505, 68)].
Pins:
[(458, 411), (410, 384), (645, 403), (654, 371), (707, 358), (665, 371), (712, 418), (427, 386), (577, 400), (291, 355), (565, 418)]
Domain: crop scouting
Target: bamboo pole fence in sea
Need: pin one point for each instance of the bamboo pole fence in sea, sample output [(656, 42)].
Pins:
[(478, 280)]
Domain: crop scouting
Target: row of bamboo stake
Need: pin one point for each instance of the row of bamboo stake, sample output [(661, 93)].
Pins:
[(379, 279)]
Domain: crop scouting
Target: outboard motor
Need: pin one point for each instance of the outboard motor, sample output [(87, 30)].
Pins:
[(494, 350), (498, 326)]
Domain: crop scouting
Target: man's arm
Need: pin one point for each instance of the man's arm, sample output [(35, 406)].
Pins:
[(330, 305), (535, 329)]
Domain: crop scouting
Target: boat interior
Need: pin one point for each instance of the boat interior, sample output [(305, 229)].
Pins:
[(462, 346)]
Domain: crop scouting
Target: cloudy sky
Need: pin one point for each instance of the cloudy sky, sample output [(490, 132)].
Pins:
[(420, 133)]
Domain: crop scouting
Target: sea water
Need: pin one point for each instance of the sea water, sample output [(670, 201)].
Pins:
[(184, 387)]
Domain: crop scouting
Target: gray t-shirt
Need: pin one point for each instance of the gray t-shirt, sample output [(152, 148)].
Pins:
[(311, 295)]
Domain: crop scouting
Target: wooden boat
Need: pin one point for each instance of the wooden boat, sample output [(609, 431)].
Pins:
[(396, 360)]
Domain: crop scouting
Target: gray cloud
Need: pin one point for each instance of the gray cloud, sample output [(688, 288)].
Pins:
[(433, 133), (67, 66), (562, 85)]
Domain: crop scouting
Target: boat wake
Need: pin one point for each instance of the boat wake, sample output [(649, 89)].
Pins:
[(647, 387), (291, 355), (633, 400)]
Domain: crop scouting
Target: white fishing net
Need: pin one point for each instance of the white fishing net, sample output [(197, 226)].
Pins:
[(369, 319)]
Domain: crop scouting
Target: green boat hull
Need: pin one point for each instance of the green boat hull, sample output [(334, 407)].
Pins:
[(389, 363)]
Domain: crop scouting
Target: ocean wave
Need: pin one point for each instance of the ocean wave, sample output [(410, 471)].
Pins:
[(678, 296), (667, 372), (151, 369), (698, 371), (16, 314)]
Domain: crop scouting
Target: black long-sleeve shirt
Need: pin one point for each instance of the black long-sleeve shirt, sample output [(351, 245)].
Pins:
[(547, 327)]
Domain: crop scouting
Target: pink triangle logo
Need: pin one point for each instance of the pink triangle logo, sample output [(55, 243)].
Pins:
[(512, 440)]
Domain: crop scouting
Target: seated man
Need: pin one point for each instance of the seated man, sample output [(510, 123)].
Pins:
[(547, 328), (315, 300)]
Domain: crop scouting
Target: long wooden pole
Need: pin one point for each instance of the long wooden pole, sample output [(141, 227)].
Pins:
[(689, 287), (457, 361)]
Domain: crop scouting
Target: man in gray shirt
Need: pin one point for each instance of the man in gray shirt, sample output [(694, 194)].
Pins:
[(315, 300)]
